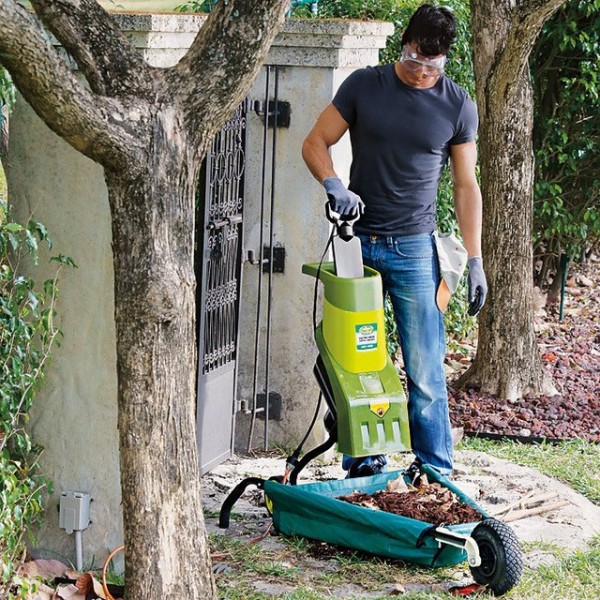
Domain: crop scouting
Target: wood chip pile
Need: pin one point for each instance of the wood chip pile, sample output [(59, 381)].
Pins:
[(429, 502)]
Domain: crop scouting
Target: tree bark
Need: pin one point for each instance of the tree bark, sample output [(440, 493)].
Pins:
[(153, 240), (149, 129), (507, 362)]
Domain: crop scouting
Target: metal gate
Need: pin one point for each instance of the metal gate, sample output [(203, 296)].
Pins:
[(220, 206), (220, 203)]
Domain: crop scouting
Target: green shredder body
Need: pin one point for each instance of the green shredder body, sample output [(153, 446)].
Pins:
[(370, 403)]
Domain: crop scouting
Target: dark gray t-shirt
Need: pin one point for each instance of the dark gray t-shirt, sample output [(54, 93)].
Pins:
[(400, 144)]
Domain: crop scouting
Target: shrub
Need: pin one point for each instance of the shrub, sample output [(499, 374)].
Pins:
[(27, 333)]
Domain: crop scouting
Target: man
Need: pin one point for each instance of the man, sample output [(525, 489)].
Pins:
[(405, 121)]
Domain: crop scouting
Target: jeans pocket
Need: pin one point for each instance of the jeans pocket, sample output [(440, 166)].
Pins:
[(414, 246)]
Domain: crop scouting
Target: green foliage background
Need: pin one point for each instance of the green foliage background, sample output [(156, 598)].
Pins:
[(7, 90), (565, 70), (7, 98)]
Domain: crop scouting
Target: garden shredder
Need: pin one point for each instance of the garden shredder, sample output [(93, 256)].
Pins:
[(367, 407)]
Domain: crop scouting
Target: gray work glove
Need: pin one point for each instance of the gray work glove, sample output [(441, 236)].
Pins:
[(477, 285), (342, 200)]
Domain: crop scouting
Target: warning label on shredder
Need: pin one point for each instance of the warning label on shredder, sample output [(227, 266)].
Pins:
[(366, 336)]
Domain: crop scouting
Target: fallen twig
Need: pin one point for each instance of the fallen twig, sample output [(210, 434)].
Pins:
[(528, 506), (529, 512), (527, 501)]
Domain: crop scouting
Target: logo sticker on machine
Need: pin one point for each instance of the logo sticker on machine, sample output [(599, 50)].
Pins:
[(366, 337)]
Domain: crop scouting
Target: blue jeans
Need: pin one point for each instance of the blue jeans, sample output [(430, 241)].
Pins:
[(410, 274)]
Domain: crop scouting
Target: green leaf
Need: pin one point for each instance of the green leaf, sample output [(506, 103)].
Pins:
[(65, 260), (13, 227)]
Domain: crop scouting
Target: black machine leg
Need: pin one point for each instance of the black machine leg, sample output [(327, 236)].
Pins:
[(234, 496), (331, 427), (313, 454), (330, 420)]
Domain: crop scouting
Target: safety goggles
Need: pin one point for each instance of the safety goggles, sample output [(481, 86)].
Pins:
[(412, 61)]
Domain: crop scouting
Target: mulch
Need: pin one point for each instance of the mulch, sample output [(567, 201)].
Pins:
[(429, 502), (570, 352)]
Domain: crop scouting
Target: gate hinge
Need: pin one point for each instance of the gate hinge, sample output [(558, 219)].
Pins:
[(278, 259), (282, 107)]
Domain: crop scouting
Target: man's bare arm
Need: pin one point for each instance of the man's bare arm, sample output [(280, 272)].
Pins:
[(328, 129), (467, 195)]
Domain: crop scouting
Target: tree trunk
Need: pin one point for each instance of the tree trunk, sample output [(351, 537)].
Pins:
[(153, 244), (507, 362)]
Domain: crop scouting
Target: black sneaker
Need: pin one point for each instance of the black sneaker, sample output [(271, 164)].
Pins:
[(371, 465), (413, 473)]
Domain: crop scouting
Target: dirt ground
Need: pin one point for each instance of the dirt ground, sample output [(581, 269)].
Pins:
[(491, 482), (570, 352)]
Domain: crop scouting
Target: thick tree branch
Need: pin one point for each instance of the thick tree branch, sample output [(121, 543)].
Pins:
[(527, 21), (235, 39), (93, 125), (108, 60)]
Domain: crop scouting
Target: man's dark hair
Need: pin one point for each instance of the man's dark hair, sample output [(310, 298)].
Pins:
[(432, 28)]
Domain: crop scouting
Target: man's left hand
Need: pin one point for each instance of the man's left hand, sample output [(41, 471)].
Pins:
[(477, 285)]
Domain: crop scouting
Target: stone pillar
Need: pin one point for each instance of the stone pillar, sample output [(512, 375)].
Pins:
[(75, 413), (314, 57)]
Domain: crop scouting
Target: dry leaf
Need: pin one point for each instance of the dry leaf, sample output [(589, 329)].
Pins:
[(397, 590), (69, 592), (397, 485), (44, 569), (87, 583)]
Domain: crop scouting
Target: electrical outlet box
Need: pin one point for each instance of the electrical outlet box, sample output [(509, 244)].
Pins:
[(74, 511)]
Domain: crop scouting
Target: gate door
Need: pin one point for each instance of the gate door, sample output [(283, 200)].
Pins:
[(218, 271)]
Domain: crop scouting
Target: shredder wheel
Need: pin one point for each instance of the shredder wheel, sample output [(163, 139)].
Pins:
[(501, 556)]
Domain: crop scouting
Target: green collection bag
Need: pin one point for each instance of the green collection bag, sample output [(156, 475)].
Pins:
[(312, 510)]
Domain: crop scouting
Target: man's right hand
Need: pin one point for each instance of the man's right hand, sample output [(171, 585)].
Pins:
[(341, 199)]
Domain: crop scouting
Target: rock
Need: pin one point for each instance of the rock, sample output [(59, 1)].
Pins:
[(539, 300), (457, 434)]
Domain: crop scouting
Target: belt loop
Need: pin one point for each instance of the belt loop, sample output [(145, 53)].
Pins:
[(389, 241)]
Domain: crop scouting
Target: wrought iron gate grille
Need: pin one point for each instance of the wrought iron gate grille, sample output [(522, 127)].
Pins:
[(220, 206), (223, 199)]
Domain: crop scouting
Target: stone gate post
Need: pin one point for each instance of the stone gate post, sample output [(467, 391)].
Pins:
[(314, 57)]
